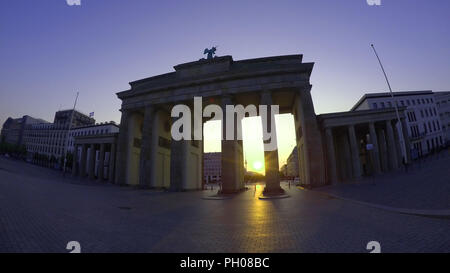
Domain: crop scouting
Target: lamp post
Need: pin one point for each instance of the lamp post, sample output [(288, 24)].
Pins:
[(402, 139)]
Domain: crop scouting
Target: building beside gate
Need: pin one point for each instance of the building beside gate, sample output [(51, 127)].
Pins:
[(443, 105), (94, 156), (423, 125)]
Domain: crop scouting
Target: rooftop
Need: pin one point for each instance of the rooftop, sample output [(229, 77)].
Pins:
[(388, 94)]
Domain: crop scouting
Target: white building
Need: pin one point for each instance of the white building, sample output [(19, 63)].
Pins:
[(212, 166), (50, 139), (423, 122), (90, 130), (443, 105)]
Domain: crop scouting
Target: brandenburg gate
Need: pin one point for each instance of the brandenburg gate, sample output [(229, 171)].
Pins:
[(148, 156)]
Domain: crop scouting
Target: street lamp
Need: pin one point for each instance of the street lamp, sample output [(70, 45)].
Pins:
[(402, 142)]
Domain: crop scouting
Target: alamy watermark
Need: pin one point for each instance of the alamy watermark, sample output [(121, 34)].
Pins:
[(373, 2), (189, 127), (73, 2)]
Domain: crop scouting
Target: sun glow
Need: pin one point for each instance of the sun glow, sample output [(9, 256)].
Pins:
[(257, 165)]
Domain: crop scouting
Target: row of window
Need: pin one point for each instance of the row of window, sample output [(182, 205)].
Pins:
[(407, 102), (442, 102), (89, 132), (432, 126), (411, 116), (45, 149), (430, 113)]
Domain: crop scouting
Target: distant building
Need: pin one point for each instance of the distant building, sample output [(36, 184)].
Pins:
[(283, 169), (422, 118), (212, 165), (292, 163), (13, 129), (51, 138), (443, 105), (63, 117)]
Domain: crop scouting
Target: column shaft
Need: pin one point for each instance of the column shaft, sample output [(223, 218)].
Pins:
[(74, 161), (382, 150), (148, 151), (375, 150), (101, 163), (178, 164), (391, 147), (309, 140), (91, 162), (270, 154), (331, 156), (83, 160), (122, 149), (112, 158), (406, 139), (354, 147), (230, 154)]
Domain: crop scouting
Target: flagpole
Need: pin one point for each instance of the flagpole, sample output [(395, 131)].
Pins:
[(402, 139), (68, 134)]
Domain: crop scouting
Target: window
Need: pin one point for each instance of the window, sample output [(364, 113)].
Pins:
[(389, 104), (374, 105), (382, 104)]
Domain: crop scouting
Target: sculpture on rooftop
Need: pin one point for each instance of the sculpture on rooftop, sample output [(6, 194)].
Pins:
[(210, 52)]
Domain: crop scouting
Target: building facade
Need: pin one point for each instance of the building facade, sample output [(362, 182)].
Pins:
[(51, 139), (362, 143), (13, 130), (95, 156), (443, 105), (423, 124), (292, 163), (212, 167), (90, 130)]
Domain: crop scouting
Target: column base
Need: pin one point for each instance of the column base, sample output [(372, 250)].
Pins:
[(273, 191), (276, 193), (231, 191)]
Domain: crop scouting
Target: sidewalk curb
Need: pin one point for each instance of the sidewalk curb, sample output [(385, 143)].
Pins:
[(444, 213)]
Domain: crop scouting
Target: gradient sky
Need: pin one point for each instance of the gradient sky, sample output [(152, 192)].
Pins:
[(49, 50)]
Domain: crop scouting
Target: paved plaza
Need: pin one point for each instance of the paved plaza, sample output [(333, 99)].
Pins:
[(425, 186), (40, 211)]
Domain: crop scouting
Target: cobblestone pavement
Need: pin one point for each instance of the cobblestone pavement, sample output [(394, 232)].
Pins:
[(41, 212), (426, 185)]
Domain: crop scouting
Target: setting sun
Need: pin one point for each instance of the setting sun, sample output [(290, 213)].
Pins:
[(257, 165)]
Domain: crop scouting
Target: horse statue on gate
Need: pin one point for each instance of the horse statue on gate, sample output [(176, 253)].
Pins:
[(210, 52)]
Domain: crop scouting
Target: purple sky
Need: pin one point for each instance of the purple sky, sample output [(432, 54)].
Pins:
[(49, 50)]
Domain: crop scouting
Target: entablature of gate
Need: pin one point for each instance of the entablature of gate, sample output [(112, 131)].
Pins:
[(217, 77)]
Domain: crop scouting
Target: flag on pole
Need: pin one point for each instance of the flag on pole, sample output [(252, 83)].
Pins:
[(91, 114)]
